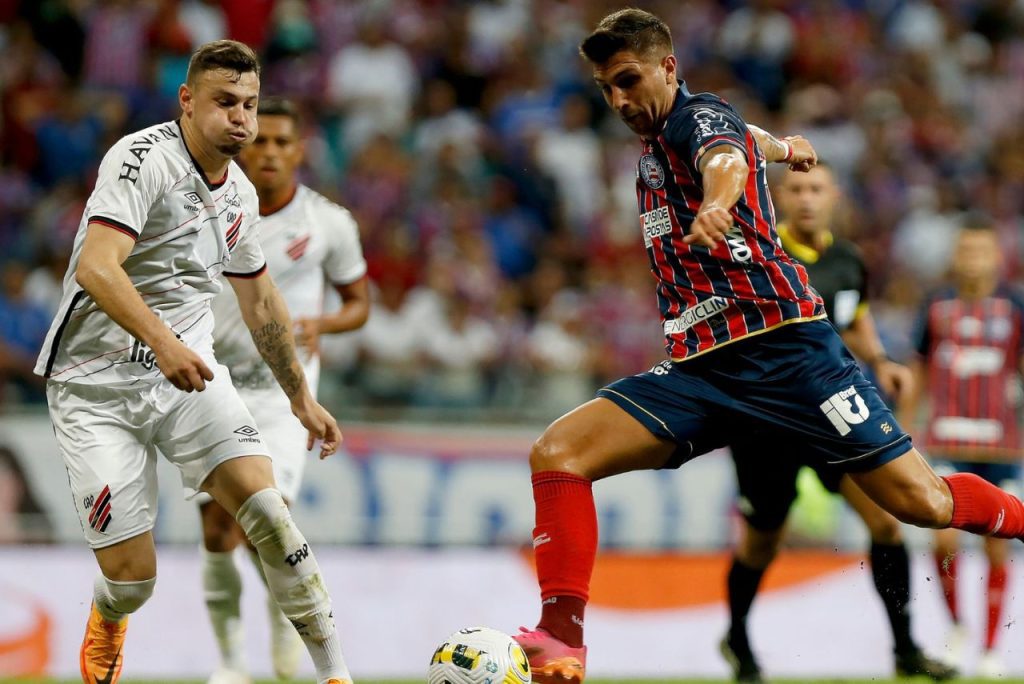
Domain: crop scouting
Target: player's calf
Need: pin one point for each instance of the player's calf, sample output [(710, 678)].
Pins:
[(293, 577)]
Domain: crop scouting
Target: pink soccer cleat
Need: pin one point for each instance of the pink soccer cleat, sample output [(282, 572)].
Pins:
[(552, 661)]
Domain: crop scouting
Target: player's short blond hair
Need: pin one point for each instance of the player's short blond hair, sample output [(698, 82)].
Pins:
[(229, 55)]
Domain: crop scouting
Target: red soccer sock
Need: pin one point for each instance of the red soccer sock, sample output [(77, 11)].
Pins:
[(565, 546), (946, 567), (982, 508), (996, 590)]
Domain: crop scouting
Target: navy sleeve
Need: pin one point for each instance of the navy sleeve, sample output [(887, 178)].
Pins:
[(702, 126), (921, 335)]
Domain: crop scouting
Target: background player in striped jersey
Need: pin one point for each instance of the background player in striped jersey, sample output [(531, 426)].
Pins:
[(767, 481), (968, 341), (310, 243), (750, 350), (131, 369)]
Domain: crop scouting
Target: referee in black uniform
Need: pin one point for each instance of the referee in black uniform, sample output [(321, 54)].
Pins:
[(767, 482)]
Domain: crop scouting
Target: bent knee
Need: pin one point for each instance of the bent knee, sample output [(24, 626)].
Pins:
[(552, 453), (220, 531), (125, 596), (757, 549)]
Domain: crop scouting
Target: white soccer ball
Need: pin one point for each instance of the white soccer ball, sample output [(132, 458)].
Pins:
[(479, 655)]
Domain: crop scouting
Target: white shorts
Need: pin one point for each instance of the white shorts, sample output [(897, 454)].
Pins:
[(282, 433), (110, 436)]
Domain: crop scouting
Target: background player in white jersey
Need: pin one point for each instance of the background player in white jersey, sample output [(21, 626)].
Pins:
[(309, 243), (131, 370)]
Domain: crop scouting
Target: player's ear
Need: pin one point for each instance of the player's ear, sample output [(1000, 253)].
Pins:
[(668, 63), (185, 99)]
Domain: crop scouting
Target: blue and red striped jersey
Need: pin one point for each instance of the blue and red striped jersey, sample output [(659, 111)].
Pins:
[(746, 284), (973, 350)]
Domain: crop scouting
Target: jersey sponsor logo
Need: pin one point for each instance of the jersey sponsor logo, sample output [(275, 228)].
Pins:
[(139, 148), (651, 171), (707, 121), (695, 314), (970, 361), (99, 515), (141, 353), (738, 246), (844, 409), (541, 539), (654, 224), (961, 429)]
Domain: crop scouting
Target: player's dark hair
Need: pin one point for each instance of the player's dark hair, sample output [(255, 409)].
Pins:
[(279, 106), (229, 55), (628, 29)]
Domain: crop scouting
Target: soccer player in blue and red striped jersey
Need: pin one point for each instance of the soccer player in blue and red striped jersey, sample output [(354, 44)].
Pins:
[(750, 350), (969, 344)]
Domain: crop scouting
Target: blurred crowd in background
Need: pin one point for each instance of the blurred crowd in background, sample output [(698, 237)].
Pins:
[(494, 192)]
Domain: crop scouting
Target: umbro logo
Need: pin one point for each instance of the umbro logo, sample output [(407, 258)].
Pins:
[(248, 434), (196, 202)]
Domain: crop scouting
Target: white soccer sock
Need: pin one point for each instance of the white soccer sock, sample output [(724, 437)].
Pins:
[(115, 600), (293, 577), (222, 589)]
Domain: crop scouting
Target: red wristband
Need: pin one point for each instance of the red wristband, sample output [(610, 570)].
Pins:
[(789, 150)]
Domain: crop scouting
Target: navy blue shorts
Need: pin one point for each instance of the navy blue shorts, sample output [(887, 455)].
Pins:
[(795, 393)]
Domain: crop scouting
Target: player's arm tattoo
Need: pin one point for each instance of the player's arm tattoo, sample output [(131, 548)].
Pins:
[(276, 346)]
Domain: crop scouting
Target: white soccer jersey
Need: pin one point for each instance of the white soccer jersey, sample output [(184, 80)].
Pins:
[(309, 243), (187, 232)]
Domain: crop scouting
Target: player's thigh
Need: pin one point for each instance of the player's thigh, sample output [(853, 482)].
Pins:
[(284, 436), (202, 431), (908, 488), (599, 440), (101, 434), (657, 419), (766, 477)]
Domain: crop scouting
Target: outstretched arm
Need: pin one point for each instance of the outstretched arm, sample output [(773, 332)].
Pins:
[(794, 150), (724, 173), (265, 314)]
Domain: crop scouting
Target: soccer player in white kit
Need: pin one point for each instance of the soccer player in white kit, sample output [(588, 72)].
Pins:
[(131, 370), (309, 243)]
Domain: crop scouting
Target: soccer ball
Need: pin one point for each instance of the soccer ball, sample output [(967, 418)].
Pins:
[(479, 655)]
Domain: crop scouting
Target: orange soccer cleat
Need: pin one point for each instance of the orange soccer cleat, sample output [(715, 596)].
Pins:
[(552, 661), (101, 657)]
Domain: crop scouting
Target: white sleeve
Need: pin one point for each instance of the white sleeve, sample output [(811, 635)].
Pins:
[(126, 189), (345, 263)]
